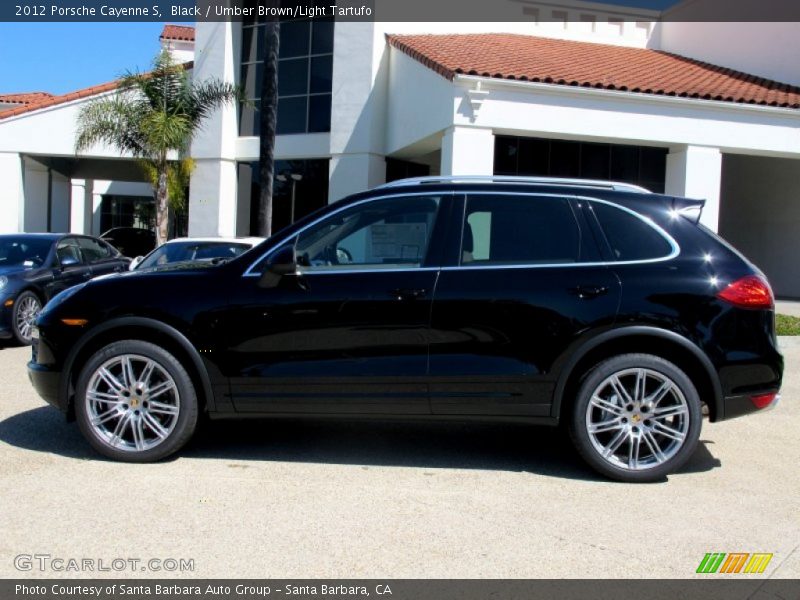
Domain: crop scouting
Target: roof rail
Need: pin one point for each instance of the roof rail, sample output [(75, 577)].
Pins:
[(589, 183)]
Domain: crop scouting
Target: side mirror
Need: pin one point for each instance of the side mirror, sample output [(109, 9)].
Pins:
[(283, 262), (68, 261), (135, 262)]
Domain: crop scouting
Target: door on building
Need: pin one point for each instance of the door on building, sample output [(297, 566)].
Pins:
[(513, 294), (349, 331)]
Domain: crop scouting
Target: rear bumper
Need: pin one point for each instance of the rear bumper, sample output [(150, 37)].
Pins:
[(737, 406), (46, 382)]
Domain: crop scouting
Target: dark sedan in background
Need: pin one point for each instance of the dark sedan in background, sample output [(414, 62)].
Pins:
[(34, 267)]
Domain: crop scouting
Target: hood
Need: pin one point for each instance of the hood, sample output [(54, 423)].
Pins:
[(16, 270)]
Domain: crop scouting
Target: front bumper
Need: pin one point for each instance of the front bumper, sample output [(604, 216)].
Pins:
[(6, 312), (46, 382)]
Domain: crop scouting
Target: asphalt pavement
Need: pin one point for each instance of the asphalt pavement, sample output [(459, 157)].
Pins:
[(291, 499)]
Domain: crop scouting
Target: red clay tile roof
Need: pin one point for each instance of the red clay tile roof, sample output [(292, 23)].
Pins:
[(179, 33), (25, 98), (49, 101), (585, 64)]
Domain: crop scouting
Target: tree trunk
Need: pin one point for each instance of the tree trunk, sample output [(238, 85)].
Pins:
[(162, 209), (267, 121)]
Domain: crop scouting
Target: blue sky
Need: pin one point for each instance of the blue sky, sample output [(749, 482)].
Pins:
[(63, 57)]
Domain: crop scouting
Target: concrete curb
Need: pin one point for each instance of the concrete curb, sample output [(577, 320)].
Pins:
[(789, 341)]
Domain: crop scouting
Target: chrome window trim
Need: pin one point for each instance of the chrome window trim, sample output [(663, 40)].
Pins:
[(675, 248)]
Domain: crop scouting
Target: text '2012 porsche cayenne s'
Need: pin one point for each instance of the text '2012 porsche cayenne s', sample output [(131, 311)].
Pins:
[(594, 304)]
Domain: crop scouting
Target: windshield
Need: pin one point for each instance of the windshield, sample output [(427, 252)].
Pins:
[(23, 251), (188, 251)]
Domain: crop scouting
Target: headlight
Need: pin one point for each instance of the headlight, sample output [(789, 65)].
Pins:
[(3, 281)]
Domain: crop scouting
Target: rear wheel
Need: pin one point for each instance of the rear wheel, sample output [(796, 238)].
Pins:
[(637, 418), (26, 308), (135, 402)]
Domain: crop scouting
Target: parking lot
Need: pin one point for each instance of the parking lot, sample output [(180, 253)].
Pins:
[(337, 499)]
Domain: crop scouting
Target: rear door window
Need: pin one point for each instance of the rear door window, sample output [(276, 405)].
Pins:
[(520, 230), (93, 250)]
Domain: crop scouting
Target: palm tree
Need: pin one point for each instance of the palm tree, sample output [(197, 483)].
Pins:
[(267, 123), (154, 116)]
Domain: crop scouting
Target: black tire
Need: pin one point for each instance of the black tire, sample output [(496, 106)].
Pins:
[(629, 428), (23, 301), (182, 429)]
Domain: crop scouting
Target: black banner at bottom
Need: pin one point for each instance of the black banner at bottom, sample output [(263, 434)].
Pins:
[(400, 589)]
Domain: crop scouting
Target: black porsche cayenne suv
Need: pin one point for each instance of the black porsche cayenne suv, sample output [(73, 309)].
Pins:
[(594, 304)]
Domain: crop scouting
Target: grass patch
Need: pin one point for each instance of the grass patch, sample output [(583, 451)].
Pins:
[(787, 325)]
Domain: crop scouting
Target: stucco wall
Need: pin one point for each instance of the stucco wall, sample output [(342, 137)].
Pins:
[(766, 49)]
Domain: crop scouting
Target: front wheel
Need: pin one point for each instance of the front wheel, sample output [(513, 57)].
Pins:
[(135, 402), (637, 418), (26, 308)]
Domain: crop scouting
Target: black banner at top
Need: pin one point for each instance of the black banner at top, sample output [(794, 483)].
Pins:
[(189, 11)]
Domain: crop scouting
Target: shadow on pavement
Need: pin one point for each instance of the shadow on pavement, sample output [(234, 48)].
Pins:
[(503, 447)]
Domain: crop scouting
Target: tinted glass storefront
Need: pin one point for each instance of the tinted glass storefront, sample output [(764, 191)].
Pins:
[(641, 165), (305, 70), (311, 191)]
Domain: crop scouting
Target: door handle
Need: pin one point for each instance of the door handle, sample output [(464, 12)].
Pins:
[(587, 292), (407, 294)]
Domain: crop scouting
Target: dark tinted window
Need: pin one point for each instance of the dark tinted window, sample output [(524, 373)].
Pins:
[(68, 248), (305, 75), (23, 251), (630, 237), (639, 165), (519, 230), (93, 250)]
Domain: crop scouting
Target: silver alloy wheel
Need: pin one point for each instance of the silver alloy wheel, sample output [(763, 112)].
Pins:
[(132, 403), (637, 419), (27, 311)]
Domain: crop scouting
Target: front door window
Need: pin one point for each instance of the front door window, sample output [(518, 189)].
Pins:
[(383, 234)]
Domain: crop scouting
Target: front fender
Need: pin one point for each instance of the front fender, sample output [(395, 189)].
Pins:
[(145, 323)]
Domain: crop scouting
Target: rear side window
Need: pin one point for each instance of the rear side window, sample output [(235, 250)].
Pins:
[(630, 237), (93, 251), (511, 230)]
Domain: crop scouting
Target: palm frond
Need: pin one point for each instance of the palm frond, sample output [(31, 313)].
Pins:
[(206, 97), (113, 121)]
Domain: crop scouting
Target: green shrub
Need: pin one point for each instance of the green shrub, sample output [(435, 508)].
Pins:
[(787, 325)]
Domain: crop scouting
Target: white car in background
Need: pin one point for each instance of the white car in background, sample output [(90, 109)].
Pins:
[(195, 250)]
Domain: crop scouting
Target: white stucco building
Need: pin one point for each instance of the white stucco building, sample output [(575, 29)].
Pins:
[(699, 109)]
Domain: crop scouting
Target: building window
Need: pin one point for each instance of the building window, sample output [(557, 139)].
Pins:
[(640, 165), (402, 169), (305, 74), (127, 211), (310, 191)]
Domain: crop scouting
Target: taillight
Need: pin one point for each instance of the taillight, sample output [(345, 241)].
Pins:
[(748, 292), (763, 400)]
